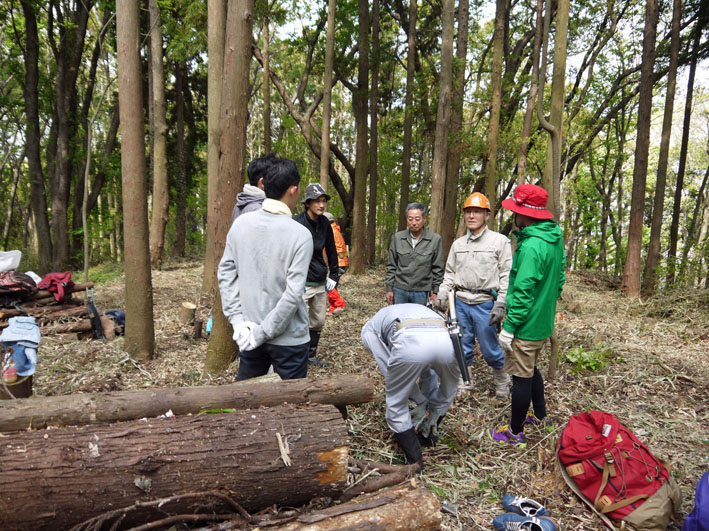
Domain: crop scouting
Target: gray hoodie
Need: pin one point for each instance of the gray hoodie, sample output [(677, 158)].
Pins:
[(247, 201)]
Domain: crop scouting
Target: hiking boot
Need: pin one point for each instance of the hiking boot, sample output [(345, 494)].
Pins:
[(532, 419), (523, 506), (313, 360), (504, 435), (515, 522), (410, 445), (501, 381)]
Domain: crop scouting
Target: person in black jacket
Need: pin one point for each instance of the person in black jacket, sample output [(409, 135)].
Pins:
[(318, 282)]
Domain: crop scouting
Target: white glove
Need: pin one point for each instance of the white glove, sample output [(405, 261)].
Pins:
[(330, 284), (505, 340), (242, 332)]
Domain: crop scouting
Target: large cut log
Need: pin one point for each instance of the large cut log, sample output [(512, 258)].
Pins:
[(46, 294), (53, 479), (75, 410)]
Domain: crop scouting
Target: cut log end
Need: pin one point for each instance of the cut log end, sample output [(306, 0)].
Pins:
[(187, 312)]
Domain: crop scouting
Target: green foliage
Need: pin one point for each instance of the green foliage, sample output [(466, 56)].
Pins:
[(593, 359), (104, 273)]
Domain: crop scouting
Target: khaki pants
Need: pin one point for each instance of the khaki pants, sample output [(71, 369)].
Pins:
[(521, 361), (315, 298)]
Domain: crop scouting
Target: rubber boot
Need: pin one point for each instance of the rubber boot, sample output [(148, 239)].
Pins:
[(409, 443), (502, 384), (313, 348)]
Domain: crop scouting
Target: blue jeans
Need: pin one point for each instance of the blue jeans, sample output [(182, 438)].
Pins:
[(473, 320), (402, 296), (289, 362)]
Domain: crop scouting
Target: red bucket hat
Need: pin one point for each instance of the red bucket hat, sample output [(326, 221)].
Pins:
[(529, 200)]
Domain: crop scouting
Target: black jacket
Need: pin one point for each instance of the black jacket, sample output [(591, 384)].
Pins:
[(322, 239)]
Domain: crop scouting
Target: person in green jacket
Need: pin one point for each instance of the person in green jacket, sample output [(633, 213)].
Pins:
[(536, 280)]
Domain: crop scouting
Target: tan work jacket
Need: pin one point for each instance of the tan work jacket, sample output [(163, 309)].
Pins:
[(476, 265)]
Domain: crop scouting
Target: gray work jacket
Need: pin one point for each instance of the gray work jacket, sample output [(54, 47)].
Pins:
[(417, 268)]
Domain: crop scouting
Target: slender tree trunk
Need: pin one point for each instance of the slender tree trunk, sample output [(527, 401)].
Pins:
[(677, 206), (631, 273), (232, 163), (443, 117), (408, 114), (450, 201), (33, 132), (374, 139), (267, 86), (216, 22), (181, 207), (161, 198), (359, 230), (692, 235), (139, 331), (15, 177), (556, 114), (653, 252), (327, 95)]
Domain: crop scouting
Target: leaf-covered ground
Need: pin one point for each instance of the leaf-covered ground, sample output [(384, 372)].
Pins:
[(645, 362)]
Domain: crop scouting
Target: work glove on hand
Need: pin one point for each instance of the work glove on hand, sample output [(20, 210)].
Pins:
[(418, 414), (330, 284), (242, 332), (428, 429), (497, 314), (505, 340)]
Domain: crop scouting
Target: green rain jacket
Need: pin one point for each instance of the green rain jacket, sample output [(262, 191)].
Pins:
[(536, 279)]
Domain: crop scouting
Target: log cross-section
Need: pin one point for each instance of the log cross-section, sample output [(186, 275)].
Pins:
[(53, 479)]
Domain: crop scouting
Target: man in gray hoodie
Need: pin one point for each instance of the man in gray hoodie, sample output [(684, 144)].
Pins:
[(262, 278), (253, 195)]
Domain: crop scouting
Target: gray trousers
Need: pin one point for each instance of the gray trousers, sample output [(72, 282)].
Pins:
[(418, 364)]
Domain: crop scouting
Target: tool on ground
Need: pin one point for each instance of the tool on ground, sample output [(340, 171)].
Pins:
[(94, 316)]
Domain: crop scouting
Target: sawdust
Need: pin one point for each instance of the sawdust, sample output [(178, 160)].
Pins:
[(656, 382)]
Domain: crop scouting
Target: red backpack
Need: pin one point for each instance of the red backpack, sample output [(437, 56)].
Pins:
[(615, 474), (15, 286)]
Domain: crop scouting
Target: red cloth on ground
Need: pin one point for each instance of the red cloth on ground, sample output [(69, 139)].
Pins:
[(335, 300)]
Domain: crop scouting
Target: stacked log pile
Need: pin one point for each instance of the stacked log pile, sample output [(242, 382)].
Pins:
[(249, 456), (69, 316)]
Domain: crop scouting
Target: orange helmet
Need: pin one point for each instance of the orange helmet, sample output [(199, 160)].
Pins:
[(477, 200)]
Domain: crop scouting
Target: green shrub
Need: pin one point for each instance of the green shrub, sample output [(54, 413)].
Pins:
[(593, 359)]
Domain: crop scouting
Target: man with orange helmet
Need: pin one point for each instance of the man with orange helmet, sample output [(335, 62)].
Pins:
[(478, 269)]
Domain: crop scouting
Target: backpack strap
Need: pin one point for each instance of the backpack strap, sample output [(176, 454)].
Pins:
[(572, 485), (600, 502)]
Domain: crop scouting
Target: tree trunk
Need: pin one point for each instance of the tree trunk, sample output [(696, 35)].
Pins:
[(677, 206), (556, 114), (450, 200), (267, 87), (216, 24), (408, 114), (232, 154), (405, 507), (181, 206), (443, 117), (692, 233), (374, 139), (327, 94), (161, 198), (33, 140), (284, 454), (99, 408), (140, 334), (631, 273), (358, 253), (653, 252)]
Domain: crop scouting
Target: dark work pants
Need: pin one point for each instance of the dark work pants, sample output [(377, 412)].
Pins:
[(524, 391), (289, 362)]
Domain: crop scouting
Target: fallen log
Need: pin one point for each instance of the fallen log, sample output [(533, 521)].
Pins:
[(285, 454), (46, 294), (96, 408)]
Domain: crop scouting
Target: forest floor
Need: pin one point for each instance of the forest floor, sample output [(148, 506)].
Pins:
[(644, 361)]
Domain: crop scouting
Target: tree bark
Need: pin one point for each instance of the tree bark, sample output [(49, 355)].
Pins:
[(267, 86), (161, 198), (327, 93), (181, 203), (374, 139), (677, 206), (653, 252), (99, 408), (33, 141), (631, 273), (86, 472), (216, 24), (140, 334), (408, 114), (358, 253), (440, 145), (232, 155)]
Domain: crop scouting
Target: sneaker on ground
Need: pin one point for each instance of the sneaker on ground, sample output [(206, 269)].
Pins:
[(523, 506), (533, 420), (515, 522), (317, 363), (503, 434)]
